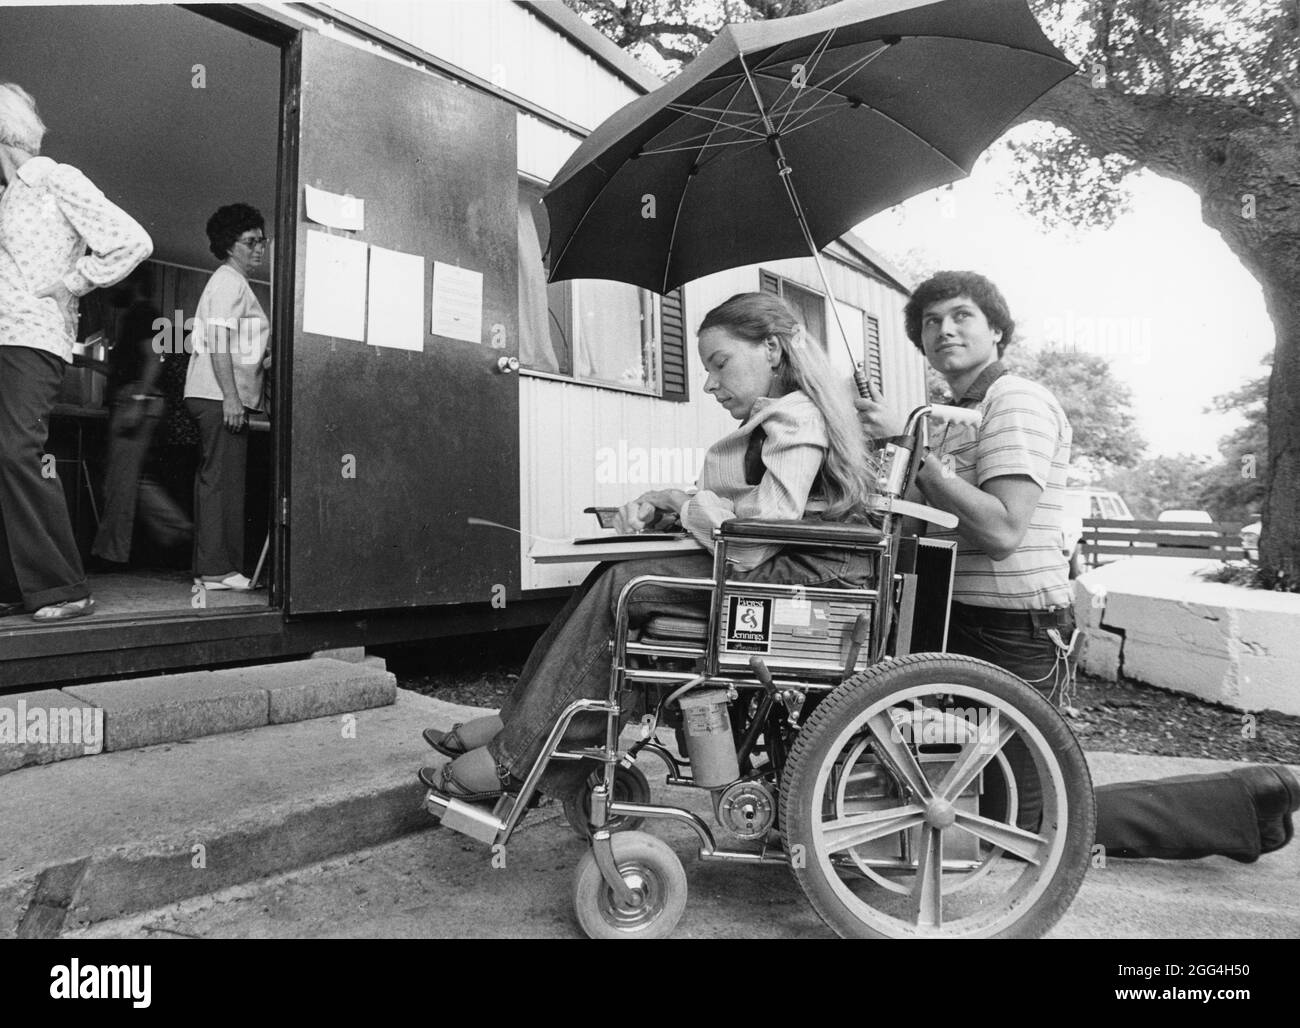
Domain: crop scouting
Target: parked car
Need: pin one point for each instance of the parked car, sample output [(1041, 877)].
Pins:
[(1200, 517), (1087, 503), (1250, 539)]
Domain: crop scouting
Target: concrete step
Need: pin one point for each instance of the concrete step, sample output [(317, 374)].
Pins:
[(81, 720), (85, 840)]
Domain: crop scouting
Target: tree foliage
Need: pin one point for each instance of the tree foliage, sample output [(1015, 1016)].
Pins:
[(1098, 405), (1160, 483)]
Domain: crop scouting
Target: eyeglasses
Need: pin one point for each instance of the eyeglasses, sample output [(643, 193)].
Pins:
[(255, 242)]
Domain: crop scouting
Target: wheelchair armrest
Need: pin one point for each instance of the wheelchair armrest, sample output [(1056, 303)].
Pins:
[(828, 533)]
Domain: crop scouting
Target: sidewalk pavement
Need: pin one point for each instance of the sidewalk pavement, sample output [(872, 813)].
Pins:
[(99, 837)]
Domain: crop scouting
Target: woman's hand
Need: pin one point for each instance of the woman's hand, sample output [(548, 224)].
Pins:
[(266, 361), (61, 295), (232, 413), (637, 515), (879, 420)]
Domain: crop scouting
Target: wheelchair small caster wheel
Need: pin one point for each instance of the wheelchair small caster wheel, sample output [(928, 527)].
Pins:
[(657, 882), (630, 786)]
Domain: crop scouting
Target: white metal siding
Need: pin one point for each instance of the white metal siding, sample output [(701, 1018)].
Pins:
[(563, 426), (509, 47)]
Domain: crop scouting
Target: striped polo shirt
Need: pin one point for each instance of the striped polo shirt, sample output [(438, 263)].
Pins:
[(1024, 431)]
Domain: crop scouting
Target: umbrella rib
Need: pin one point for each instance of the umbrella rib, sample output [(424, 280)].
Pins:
[(816, 56), (715, 123), (681, 204), (923, 141), (827, 86)]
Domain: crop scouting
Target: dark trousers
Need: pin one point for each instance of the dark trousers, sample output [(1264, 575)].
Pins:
[(218, 492), (1180, 818), (126, 493), (39, 562)]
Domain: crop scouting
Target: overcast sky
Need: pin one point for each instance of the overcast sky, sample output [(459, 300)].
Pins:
[(1159, 294)]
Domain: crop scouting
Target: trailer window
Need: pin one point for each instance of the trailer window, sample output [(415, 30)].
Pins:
[(605, 333)]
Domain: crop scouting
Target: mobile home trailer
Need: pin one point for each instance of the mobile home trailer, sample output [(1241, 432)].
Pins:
[(398, 151)]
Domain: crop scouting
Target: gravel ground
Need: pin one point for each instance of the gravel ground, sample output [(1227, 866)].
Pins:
[(1117, 717)]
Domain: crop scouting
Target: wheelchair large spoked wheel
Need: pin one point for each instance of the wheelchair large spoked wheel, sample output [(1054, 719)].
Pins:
[(653, 873), (630, 786), (899, 804)]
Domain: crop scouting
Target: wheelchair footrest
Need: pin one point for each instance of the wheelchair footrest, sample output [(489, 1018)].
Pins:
[(466, 818)]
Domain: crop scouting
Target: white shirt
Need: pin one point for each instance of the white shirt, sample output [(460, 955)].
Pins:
[(228, 314), (49, 214)]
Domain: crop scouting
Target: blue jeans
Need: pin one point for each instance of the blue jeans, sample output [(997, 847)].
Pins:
[(572, 660)]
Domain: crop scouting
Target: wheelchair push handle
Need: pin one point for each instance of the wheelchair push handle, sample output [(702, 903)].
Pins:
[(945, 414)]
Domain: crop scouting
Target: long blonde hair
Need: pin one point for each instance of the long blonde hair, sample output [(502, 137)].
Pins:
[(757, 317)]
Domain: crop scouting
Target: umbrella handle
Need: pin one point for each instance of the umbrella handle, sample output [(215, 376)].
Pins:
[(860, 380)]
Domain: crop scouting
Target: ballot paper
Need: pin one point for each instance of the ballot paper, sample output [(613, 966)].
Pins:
[(346, 212), (334, 296), (457, 302), (396, 308)]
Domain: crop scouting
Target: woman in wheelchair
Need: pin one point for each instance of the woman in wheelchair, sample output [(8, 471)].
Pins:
[(797, 452)]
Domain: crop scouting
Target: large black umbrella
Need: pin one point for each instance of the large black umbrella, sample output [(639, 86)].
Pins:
[(782, 135)]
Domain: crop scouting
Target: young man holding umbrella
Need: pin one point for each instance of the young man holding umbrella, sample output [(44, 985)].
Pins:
[(1012, 599)]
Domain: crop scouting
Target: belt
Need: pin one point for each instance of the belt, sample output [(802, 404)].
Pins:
[(1001, 617)]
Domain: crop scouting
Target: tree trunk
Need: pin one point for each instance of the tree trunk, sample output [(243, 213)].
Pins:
[(1279, 546), (1246, 170)]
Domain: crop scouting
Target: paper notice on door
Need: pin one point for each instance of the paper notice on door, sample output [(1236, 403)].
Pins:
[(346, 212), (457, 302), (396, 308), (334, 296)]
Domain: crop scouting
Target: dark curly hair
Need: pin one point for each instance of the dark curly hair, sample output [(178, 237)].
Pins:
[(948, 285), (228, 224)]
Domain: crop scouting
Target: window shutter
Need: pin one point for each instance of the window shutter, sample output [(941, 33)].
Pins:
[(768, 282), (875, 369), (672, 317)]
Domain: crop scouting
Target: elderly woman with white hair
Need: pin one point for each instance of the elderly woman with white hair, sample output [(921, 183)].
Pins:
[(49, 215)]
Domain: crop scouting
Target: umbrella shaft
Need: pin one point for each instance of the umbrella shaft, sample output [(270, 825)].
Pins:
[(787, 179)]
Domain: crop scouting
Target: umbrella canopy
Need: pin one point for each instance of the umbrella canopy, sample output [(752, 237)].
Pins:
[(840, 113)]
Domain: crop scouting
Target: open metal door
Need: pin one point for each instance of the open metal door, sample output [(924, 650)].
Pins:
[(393, 450)]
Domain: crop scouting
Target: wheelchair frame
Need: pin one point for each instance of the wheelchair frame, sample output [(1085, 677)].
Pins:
[(787, 687)]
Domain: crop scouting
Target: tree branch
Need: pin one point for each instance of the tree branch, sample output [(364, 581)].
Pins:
[(1172, 135)]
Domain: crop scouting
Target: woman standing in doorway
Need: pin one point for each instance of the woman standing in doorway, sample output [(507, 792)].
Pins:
[(49, 214), (222, 386)]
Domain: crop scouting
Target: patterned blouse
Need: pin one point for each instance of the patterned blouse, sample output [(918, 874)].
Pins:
[(49, 214)]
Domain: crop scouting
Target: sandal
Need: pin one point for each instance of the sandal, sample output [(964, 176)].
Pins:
[(444, 780), (438, 740)]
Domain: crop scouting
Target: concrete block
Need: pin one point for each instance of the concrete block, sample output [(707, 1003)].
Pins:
[(351, 654), (304, 689), (1270, 683), (1089, 603), (47, 725), (147, 711), (1100, 654), (1170, 665)]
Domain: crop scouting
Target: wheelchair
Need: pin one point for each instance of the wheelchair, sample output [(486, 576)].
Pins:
[(833, 737)]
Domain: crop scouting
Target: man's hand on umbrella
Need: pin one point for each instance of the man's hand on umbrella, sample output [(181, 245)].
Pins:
[(879, 419)]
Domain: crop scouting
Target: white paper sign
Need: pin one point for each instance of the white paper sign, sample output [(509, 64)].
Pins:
[(346, 212), (396, 309), (334, 297), (457, 302)]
